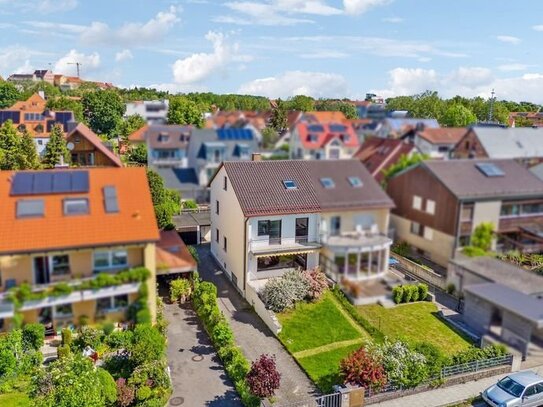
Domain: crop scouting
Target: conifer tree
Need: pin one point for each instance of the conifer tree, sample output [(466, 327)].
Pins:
[(56, 150)]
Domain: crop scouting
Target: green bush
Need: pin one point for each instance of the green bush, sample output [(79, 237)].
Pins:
[(63, 351), (108, 327), (435, 359), (180, 290), (30, 362), (407, 292), (247, 398), (151, 373), (143, 393), (222, 334), (401, 249), (238, 368), (283, 292), (88, 336), (194, 253), (66, 336), (423, 291), (119, 339), (473, 251), (397, 294), (414, 293), (109, 388), (61, 289), (148, 344), (472, 354), (228, 353), (33, 336), (451, 288)]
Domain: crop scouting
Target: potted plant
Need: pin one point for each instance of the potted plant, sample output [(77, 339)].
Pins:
[(180, 290)]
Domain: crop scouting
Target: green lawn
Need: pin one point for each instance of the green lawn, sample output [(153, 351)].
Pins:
[(323, 368), (14, 400), (416, 322), (311, 325)]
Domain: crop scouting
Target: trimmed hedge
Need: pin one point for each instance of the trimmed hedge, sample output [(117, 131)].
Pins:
[(375, 333), (409, 293)]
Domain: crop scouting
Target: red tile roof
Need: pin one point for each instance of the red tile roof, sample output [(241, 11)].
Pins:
[(316, 140), (134, 222), (138, 135)]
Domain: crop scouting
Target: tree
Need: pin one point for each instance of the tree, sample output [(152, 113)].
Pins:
[(166, 202), (521, 121), (56, 150), (185, 112), (482, 236), (279, 119), (457, 115), (130, 125), (263, 378), (103, 110), (403, 162), (29, 158), (8, 94), (269, 137), (301, 103), (33, 336), (363, 369), (346, 108), (148, 344), (9, 146), (67, 104), (138, 154), (156, 185)]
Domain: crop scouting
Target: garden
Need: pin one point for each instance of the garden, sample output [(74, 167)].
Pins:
[(96, 365)]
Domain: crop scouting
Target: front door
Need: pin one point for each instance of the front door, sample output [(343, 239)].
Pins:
[(41, 270)]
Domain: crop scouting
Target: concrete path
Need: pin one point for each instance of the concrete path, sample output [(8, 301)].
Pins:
[(198, 377), (252, 335), (448, 395)]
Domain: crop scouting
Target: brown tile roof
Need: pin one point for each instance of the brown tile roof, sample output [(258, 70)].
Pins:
[(378, 154), (134, 223), (466, 181), (443, 135), (178, 136), (138, 135), (260, 191), (96, 142), (172, 254), (325, 117)]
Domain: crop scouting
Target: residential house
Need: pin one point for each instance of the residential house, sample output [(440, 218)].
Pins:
[(394, 127), (323, 141), (167, 145), (271, 216), (438, 142), (152, 111), (440, 203), (367, 109), (534, 118), (378, 154), (524, 144), (70, 226), (88, 150), (36, 76), (33, 116)]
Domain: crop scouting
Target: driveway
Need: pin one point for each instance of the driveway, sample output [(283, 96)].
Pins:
[(198, 377), (252, 335)]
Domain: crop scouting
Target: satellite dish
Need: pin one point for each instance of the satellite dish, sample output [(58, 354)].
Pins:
[(70, 146)]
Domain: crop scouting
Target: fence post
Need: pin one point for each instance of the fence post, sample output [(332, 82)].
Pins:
[(476, 366)]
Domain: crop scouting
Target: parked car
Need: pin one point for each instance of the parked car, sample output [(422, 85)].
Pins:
[(521, 389)]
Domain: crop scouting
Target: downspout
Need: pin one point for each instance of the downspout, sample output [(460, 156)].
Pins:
[(246, 253)]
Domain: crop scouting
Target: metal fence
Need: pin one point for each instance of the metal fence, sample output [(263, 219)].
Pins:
[(328, 400)]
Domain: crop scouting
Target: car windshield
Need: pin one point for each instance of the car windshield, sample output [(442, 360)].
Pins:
[(511, 386)]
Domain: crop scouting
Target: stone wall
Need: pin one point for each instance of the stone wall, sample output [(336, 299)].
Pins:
[(266, 315), (421, 272)]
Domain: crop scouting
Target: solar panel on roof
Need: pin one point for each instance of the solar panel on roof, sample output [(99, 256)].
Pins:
[(50, 182), (234, 134), (490, 169), (338, 128), (317, 128), (80, 181), (43, 183), (62, 182), (22, 184)]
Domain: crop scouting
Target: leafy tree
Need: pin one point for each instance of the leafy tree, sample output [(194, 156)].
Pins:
[(10, 352), (190, 204), (130, 125), (33, 336), (9, 146), (403, 162), (363, 369), (138, 154), (279, 120), (103, 110), (301, 103), (8, 94), (457, 115), (166, 202), (148, 344), (185, 112), (156, 185), (346, 108), (523, 122), (30, 87), (482, 236), (68, 104), (29, 158), (263, 378), (56, 150)]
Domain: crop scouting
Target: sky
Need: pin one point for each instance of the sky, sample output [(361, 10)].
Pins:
[(280, 48)]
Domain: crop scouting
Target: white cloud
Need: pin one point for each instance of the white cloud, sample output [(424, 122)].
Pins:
[(65, 28), (199, 66), (25, 68), (471, 77), (513, 67), (16, 57), (508, 39), (538, 27), (392, 20), (41, 6), (324, 54), (361, 6), (256, 13), (292, 83), (89, 63), (123, 55)]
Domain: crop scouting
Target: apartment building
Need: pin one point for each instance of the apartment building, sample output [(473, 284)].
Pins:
[(74, 228), (440, 203), (271, 216), (152, 111)]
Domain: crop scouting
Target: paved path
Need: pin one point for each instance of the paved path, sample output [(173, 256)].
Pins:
[(252, 335), (199, 383), (448, 395)]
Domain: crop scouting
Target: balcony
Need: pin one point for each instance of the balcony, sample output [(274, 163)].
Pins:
[(358, 241), (267, 245)]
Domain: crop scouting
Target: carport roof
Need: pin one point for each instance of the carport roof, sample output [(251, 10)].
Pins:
[(523, 305)]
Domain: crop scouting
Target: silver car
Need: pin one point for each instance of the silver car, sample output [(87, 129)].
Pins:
[(521, 389)]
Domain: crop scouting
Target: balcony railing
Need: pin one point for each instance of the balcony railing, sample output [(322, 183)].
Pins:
[(282, 243)]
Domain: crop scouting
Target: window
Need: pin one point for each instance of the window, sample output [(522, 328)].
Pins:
[(335, 225), (290, 184), (78, 206), (443, 149), (120, 301), (281, 262), (428, 233), (430, 206), (416, 228), (225, 184), (510, 210), (271, 228), (302, 229), (30, 208), (217, 207), (40, 142), (111, 304), (217, 235), (467, 214), (417, 202), (532, 209), (334, 154), (464, 241), (63, 311), (225, 244), (114, 259), (355, 182), (60, 265), (327, 183)]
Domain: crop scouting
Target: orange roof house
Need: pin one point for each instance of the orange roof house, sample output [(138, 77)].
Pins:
[(87, 149), (138, 136), (172, 255), (69, 209)]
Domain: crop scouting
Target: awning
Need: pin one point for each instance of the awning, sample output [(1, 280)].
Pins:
[(287, 253)]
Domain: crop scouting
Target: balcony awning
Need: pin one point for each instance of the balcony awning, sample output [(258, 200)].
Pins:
[(287, 253)]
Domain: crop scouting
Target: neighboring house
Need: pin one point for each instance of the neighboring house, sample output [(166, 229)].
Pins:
[(33, 116), (208, 148), (152, 111), (369, 110), (399, 127), (440, 203), (139, 136), (323, 141), (88, 150), (167, 145), (185, 181), (534, 118), (271, 216), (173, 258), (377, 154), (524, 144), (69, 226), (38, 75), (438, 142)]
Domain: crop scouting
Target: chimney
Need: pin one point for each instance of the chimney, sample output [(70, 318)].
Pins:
[(256, 157)]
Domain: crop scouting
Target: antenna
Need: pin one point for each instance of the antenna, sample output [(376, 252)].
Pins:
[(77, 64), (491, 110)]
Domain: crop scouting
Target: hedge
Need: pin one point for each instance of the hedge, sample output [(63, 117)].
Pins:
[(409, 293)]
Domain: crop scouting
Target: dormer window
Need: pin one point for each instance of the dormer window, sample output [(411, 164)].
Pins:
[(312, 138), (355, 182), (163, 138), (290, 184), (76, 206), (328, 183)]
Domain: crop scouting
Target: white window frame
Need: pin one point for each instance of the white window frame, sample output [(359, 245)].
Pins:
[(430, 207), (111, 255), (417, 202)]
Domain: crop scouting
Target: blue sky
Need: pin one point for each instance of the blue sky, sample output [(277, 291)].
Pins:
[(279, 48)]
